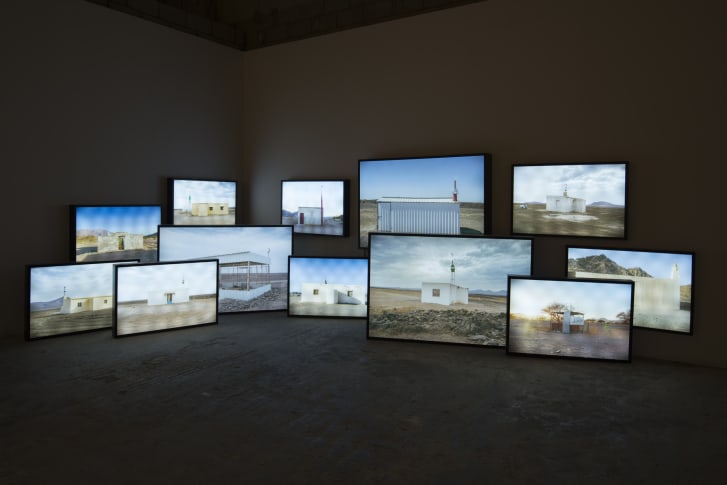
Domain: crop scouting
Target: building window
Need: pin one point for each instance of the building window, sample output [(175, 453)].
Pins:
[(315, 292), (79, 304), (435, 292), (349, 293), (105, 301)]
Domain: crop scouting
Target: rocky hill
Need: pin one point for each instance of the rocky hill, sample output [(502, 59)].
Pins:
[(603, 264)]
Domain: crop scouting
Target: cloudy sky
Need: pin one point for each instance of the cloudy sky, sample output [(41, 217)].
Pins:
[(298, 193), (186, 192), (128, 218), (594, 299), (195, 242), (423, 177), (135, 282), (347, 271), (79, 280), (592, 182), (480, 263), (657, 264)]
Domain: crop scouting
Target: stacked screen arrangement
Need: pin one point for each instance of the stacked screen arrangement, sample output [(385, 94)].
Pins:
[(432, 271), (446, 195)]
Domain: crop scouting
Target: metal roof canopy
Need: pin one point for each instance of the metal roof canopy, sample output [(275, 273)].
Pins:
[(245, 258)]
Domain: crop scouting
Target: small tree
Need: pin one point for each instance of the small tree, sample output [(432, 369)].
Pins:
[(555, 311), (624, 316)]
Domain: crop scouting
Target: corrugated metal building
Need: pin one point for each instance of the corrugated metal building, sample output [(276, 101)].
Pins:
[(418, 215)]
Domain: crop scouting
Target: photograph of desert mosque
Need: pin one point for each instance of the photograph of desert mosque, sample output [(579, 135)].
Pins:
[(443, 288), (662, 282), (328, 287), (586, 199), (153, 297), (69, 298)]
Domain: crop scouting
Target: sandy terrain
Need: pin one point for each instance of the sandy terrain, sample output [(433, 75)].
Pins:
[(596, 222), (601, 341), (51, 322), (298, 308), (184, 218), (138, 317), (401, 314)]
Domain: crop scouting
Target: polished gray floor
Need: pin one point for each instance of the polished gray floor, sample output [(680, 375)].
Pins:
[(264, 398)]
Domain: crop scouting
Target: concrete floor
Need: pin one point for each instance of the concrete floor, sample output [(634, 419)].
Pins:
[(264, 398)]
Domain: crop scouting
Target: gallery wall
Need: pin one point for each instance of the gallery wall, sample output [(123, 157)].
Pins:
[(527, 81), (99, 107)]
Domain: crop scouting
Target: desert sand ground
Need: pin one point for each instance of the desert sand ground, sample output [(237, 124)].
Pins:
[(330, 228), (470, 219), (601, 341), (400, 314), (184, 218), (50, 322), (138, 317), (298, 308), (595, 222)]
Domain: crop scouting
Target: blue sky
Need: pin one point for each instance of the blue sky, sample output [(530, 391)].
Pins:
[(186, 191), (592, 182), (79, 280), (136, 282), (348, 271), (480, 263), (657, 264), (595, 300), (423, 177), (131, 219), (296, 193), (193, 242)]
